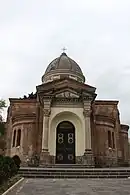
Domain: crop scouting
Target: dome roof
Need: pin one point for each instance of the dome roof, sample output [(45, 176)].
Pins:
[(63, 65), (64, 62)]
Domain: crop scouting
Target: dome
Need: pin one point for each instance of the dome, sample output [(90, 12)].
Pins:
[(63, 66)]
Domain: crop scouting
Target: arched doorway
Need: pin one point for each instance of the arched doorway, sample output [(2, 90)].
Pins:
[(65, 143)]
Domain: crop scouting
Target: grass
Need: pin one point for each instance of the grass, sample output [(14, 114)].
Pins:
[(6, 185)]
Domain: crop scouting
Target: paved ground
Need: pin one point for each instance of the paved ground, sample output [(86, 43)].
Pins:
[(73, 187)]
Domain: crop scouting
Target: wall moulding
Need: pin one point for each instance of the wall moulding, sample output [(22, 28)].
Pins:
[(104, 124), (23, 123), (105, 118), (22, 117), (67, 104), (124, 132)]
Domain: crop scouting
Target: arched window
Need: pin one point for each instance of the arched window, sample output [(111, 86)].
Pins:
[(18, 137), (14, 137), (113, 140), (109, 139)]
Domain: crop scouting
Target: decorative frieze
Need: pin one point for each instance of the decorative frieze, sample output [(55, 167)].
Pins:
[(67, 100), (67, 94)]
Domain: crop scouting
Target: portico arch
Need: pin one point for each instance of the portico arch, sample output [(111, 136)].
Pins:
[(79, 131)]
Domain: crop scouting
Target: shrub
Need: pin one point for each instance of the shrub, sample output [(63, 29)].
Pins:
[(17, 161), (7, 168)]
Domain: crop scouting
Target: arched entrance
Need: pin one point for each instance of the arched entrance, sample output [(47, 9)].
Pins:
[(65, 143)]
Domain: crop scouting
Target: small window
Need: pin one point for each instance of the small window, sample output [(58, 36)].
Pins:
[(109, 139), (113, 140), (18, 137), (14, 137)]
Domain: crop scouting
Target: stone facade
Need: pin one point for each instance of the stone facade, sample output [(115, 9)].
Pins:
[(100, 139)]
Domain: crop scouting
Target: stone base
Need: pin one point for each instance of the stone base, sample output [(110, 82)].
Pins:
[(30, 160), (123, 163), (88, 158), (52, 160), (79, 160), (44, 158)]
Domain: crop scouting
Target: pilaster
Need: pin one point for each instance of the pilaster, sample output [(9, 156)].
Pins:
[(88, 158), (44, 158)]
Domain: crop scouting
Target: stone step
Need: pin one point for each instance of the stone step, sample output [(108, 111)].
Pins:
[(72, 170), (73, 176), (67, 166), (74, 173)]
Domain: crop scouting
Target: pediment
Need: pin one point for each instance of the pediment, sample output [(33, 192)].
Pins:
[(67, 94), (66, 89)]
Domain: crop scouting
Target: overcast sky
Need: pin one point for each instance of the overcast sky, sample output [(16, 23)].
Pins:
[(96, 34)]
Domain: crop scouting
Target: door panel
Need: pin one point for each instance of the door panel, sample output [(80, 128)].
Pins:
[(65, 145)]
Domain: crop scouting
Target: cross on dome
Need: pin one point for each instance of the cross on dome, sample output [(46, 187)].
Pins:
[(64, 49)]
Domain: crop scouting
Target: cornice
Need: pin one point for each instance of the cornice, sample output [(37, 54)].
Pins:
[(60, 83), (63, 71), (106, 102), (17, 100), (123, 131), (67, 95), (124, 127)]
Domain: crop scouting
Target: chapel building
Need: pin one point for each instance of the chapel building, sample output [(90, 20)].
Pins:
[(63, 123)]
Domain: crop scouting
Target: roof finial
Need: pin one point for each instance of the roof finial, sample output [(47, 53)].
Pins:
[(64, 49)]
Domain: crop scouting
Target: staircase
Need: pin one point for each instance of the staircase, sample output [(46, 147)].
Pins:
[(73, 171)]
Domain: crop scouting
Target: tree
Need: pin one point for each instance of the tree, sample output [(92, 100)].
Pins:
[(8, 168), (17, 161), (2, 106)]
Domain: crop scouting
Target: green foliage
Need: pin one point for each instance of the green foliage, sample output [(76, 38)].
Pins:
[(7, 184), (8, 168), (2, 104), (2, 143), (17, 161), (2, 128)]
